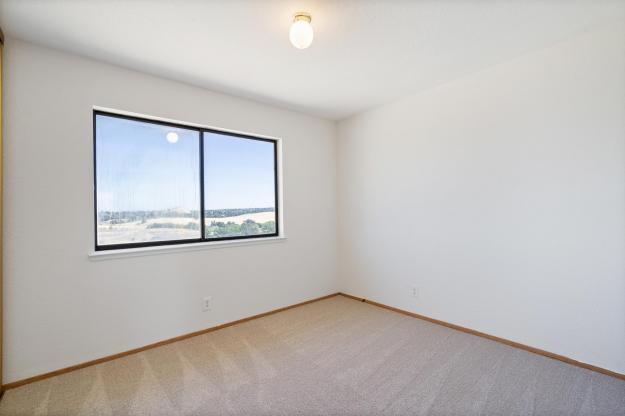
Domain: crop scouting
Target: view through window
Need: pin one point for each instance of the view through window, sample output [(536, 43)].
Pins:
[(150, 178), (239, 175)]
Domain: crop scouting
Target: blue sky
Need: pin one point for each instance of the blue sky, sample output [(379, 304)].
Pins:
[(238, 173), (138, 169)]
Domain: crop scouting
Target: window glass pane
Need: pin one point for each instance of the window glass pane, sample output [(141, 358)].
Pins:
[(239, 186), (148, 185)]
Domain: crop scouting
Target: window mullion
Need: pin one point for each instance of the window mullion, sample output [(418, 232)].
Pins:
[(201, 159)]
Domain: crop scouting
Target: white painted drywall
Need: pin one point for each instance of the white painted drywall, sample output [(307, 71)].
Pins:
[(61, 308), (501, 195), (364, 53)]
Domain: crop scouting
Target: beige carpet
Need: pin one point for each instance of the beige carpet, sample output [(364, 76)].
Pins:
[(332, 357)]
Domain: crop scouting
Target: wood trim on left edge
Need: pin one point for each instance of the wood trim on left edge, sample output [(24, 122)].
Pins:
[(40, 377), (1, 209)]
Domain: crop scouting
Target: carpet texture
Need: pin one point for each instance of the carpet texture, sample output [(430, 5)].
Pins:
[(333, 357)]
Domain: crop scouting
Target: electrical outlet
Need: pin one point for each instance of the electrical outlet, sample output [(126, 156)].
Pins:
[(414, 292), (207, 303)]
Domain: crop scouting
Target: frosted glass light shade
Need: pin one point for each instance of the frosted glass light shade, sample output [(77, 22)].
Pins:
[(301, 33)]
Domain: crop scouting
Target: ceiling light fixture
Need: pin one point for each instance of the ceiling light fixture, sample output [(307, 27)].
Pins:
[(301, 33)]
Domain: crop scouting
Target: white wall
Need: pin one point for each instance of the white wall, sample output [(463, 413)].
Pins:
[(501, 195), (61, 308)]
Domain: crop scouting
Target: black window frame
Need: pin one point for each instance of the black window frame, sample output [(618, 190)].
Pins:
[(201, 131)]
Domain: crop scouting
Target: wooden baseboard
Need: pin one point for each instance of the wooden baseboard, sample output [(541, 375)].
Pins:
[(493, 338), (33, 379), (558, 357)]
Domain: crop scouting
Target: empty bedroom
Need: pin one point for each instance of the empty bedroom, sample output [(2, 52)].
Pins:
[(312, 207)]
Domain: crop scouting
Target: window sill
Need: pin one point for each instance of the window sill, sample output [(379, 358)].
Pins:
[(150, 251)]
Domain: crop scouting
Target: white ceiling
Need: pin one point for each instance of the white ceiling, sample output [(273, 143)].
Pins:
[(365, 52)]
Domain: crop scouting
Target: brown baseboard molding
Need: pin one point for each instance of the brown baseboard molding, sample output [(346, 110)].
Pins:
[(40, 377), (493, 338)]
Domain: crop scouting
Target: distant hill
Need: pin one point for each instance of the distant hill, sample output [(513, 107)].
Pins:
[(118, 217)]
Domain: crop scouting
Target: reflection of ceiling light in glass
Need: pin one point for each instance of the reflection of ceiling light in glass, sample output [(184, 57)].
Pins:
[(172, 137)]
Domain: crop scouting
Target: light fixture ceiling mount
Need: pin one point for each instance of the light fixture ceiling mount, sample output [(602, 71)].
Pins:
[(301, 33)]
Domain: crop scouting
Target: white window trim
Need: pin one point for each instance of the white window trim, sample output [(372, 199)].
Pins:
[(176, 248)]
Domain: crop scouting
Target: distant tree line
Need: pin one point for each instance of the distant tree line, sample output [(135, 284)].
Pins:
[(122, 217), (223, 229), (187, 226), (233, 212), (247, 227)]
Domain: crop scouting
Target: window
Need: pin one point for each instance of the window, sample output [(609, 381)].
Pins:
[(239, 173), (160, 183)]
